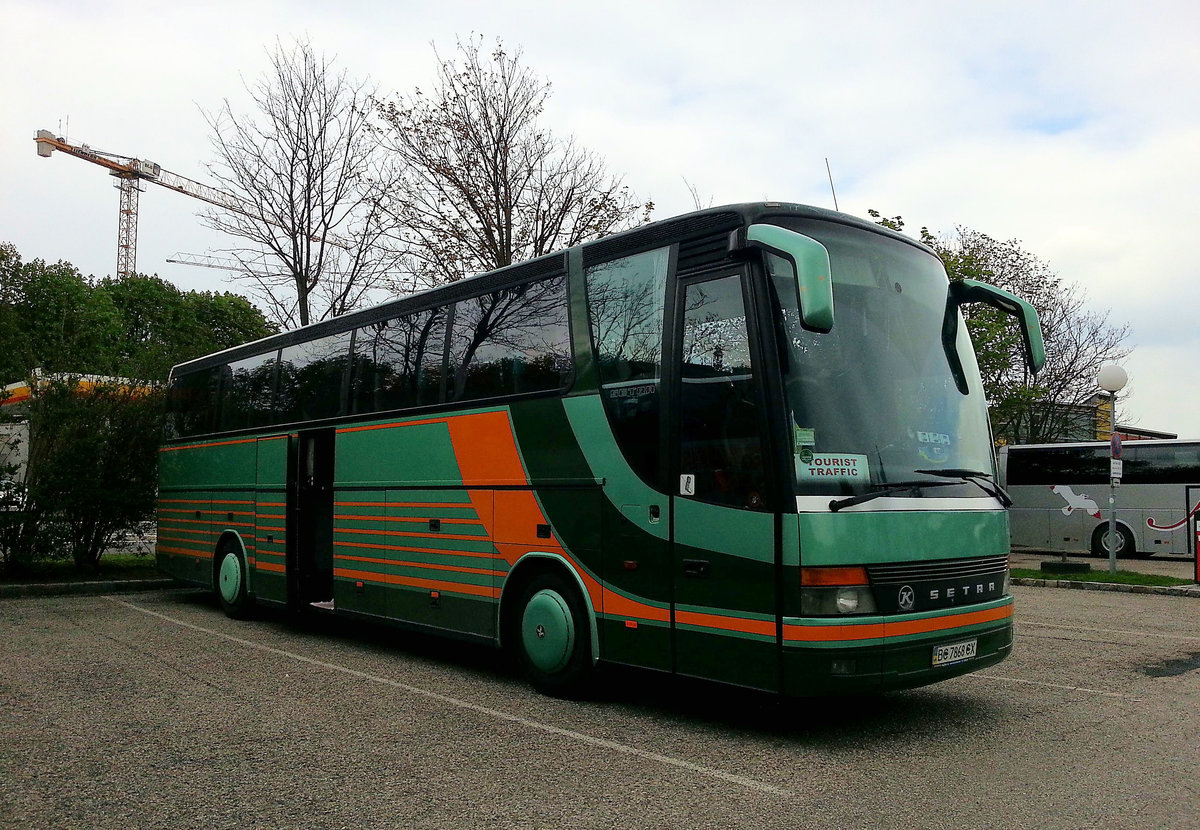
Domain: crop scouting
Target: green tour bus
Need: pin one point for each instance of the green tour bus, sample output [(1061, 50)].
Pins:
[(748, 444)]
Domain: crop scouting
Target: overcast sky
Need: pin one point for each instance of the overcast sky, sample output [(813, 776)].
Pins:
[(1072, 127)]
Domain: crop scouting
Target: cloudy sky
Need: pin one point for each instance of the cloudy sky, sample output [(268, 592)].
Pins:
[(1072, 127)]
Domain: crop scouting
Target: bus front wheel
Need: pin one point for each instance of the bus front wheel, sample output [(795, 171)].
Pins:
[(1125, 545), (551, 636)]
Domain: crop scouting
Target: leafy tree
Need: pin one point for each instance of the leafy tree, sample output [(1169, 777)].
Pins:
[(161, 326), (481, 182), (92, 468), (311, 185), (1054, 405), (54, 319)]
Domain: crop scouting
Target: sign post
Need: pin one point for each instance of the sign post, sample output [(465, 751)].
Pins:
[(1115, 465), (1112, 379)]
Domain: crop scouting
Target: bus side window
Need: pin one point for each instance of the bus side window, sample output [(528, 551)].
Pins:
[(247, 391), (398, 363), (510, 342), (192, 404), (626, 299), (310, 379)]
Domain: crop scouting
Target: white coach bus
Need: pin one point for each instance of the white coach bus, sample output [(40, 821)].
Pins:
[(1060, 497)]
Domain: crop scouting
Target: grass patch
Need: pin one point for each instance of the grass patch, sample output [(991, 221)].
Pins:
[(1120, 577), (112, 566)]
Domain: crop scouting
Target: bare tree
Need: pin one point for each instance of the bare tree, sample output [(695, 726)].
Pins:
[(312, 184), (482, 184)]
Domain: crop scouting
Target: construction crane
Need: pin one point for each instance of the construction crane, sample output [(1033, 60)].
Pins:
[(130, 173)]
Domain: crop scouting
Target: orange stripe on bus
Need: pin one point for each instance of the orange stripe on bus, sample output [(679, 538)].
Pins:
[(871, 631), (185, 552), (392, 425), (411, 549), (742, 624), (274, 567), (356, 517), (403, 534), (410, 564), (437, 504), (214, 444), (415, 582)]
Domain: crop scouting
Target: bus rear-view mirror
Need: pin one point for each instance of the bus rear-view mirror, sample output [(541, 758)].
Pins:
[(972, 291), (809, 261)]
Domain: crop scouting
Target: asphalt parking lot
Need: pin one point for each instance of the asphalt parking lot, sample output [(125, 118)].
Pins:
[(155, 710)]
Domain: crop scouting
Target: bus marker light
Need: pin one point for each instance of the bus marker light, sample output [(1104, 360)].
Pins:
[(834, 576), (631, 623), (630, 564)]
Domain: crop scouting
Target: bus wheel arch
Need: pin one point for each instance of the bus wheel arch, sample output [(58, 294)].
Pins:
[(1126, 546), (547, 623), (231, 576)]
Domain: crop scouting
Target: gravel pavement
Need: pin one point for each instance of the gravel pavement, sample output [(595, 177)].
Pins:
[(154, 710)]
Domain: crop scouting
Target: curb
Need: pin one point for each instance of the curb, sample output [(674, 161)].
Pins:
[(1192, 591), (113, 586)]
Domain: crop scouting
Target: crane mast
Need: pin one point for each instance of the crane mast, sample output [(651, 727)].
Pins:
[(130, 173)]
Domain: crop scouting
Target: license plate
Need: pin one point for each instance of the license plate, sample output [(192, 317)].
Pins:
[(955, 652)]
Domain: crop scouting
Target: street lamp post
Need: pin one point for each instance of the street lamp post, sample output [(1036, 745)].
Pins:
[(1112, 379)]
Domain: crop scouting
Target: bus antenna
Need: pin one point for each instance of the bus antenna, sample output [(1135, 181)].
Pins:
[(831, 190)]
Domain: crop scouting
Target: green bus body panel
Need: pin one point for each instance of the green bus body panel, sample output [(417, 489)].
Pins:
[(864, 538), (205, 490), (725, 616), (416, 455)]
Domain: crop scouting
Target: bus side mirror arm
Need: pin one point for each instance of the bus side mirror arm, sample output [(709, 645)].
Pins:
[(971, 291), (810, 264)]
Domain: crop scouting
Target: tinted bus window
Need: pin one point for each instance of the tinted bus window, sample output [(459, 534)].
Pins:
[(1162, 464), (511, 342), (1086, 465), (246, 392), (625, 311), (310, 379), (398, 363), (192, 404)]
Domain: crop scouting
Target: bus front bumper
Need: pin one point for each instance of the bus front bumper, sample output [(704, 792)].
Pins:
[(823, 656)]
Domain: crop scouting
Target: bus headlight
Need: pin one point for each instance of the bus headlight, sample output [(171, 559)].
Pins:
[(827, 592)]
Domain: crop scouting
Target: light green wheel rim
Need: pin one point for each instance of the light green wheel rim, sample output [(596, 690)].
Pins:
[(230, 578), (548, 631)]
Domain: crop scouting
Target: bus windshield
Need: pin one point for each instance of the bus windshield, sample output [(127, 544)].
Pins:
[(874, 401)]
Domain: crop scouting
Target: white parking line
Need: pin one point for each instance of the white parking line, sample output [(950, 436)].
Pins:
[(1128, 631), (580, 737), (1084, 690)]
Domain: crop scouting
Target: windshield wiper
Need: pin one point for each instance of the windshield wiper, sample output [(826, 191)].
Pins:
[(979, 478), (886, 490)]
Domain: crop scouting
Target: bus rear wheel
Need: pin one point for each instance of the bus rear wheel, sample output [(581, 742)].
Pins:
[(1126, 549), (550, 634), (230, 582)]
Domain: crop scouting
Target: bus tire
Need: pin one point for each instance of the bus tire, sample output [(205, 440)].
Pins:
[(550, 635), (1126, 549), (229, 579)]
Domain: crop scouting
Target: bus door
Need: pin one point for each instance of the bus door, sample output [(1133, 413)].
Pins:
[(310, 516), (723, 535)]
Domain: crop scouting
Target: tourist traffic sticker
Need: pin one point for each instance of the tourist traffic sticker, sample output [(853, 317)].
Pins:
[(832, 466)]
